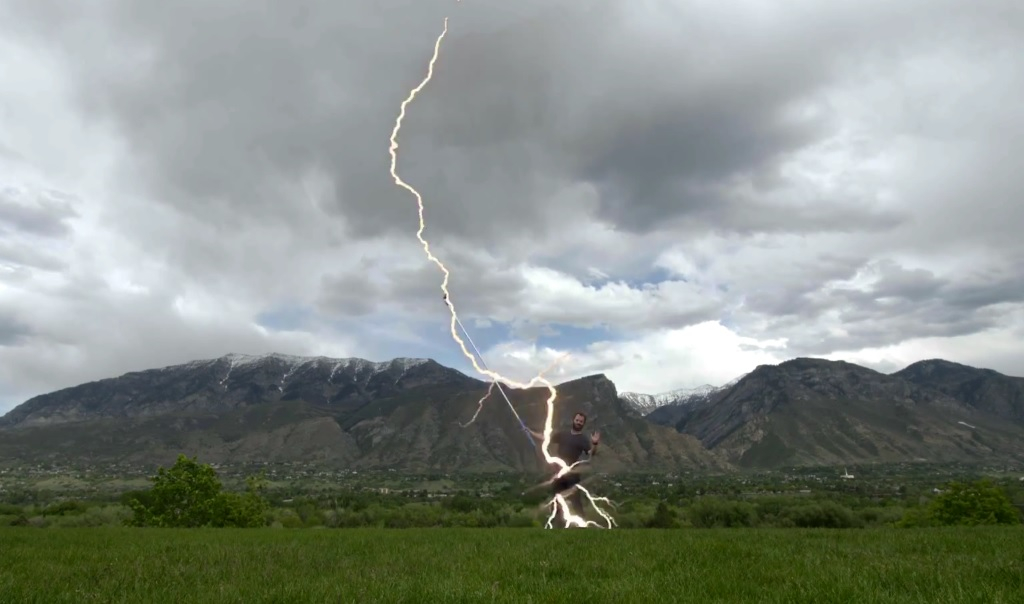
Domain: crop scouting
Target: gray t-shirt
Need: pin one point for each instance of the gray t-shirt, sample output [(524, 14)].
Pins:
[(570, 446)]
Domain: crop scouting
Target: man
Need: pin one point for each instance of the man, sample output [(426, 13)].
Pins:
[(571, 445)]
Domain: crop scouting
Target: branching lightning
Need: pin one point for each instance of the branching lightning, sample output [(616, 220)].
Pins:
[(490, 389), (480, 405), (558, 501)]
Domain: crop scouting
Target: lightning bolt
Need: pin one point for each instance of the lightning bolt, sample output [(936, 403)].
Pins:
[(480, 405), (558, 501), (490, 389)]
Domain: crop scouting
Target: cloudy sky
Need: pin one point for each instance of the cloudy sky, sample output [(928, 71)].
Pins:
[(672, 191)]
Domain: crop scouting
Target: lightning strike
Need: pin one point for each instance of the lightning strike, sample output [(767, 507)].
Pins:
[(558, 501), (490, 389), (480, 405)]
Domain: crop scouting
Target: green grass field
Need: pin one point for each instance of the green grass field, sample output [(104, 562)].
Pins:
[(983, 565)]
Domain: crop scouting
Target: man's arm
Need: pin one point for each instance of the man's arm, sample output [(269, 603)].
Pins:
[(540, 435), (595, 440)]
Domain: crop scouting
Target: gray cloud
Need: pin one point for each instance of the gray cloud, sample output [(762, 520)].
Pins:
[(45, 216), (904, 304), (12, 331), (513, 114), (27, 257), (149, 332), (900, 290), (479, 286), (782, 154)]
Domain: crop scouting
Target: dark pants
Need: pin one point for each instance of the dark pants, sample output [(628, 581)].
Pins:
[(575, 499)]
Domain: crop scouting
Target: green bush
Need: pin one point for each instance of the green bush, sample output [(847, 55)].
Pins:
[(978, 503), (110, 515), (64, 508), (823, 514), (9, 509), (189, 495), (287, 518), (664, 517), (19, 520), (521, 520), (711, 512), (880, 516), (915, 517), (461, 503)]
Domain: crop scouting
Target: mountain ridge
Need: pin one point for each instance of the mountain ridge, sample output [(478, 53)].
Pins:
[(215, 375), (407, 413), (646, 403), (808, 411)]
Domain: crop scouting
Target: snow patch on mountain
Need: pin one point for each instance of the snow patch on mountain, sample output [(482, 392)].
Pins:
[(292, 363), (645, 403)]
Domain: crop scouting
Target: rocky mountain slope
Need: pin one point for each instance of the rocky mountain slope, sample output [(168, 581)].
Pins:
[(411, 414), (817, 411), (981, 389), (404, 414), (233, 382)]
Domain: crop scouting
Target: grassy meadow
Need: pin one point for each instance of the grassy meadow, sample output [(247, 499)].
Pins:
[(110, 564)]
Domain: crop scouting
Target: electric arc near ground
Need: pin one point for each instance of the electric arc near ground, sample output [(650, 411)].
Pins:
[(558, 502)]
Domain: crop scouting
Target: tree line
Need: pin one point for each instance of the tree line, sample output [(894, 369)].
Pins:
[(189, 494)]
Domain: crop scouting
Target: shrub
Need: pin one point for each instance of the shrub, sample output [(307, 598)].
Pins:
[(978, 503), (824, 514), (664, 517), (880, 516), (64, 508), (712, 512), (189, 495)]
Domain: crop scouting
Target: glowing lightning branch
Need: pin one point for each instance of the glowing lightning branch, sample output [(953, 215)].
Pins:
[(502, 390), (522, 424), (558, 500), (480, 405)]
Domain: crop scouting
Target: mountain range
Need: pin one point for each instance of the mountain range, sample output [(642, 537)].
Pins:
[(647, 403), (414, 415), (409, 414)]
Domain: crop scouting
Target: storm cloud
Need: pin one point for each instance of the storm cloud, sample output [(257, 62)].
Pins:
[(828, 178)]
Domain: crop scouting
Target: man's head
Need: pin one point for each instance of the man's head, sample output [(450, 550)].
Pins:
[(578, 421)]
